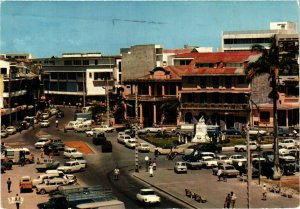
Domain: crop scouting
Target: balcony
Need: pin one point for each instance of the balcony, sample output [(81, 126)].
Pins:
[(215, 106), (147, 98), (103, 83)]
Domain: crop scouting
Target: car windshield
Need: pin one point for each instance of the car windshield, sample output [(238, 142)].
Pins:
[(148, 192), (67, 164), (229, 168)]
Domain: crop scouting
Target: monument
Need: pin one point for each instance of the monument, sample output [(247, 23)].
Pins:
[(201, 132)]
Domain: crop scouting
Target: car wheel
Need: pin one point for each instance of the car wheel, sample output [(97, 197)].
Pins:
[(43, 191)]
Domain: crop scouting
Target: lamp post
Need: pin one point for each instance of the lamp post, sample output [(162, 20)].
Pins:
[(249, 170), (136, 127)]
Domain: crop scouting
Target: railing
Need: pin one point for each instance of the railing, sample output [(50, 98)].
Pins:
[(215, 106)]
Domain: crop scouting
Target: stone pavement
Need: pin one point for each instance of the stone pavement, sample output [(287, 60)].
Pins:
[(204, 183)]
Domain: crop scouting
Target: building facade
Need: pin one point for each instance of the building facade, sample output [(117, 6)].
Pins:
[(79, 77)]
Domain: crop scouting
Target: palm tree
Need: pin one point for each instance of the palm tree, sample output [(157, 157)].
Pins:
[(273, 63)]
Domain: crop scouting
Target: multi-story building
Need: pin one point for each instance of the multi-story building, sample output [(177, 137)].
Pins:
[(139, 60), (243, 40), (80, 77), (19, 89)]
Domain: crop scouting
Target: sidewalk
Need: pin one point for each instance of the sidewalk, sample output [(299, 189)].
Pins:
[(205, 184)]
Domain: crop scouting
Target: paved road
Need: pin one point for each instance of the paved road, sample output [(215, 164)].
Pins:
[(204, 183)]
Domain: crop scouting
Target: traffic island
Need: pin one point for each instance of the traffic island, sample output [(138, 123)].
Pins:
[(80, 146)]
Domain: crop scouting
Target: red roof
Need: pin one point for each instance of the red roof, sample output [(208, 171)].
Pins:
[(215, 57), (211, 71), (178, 51)]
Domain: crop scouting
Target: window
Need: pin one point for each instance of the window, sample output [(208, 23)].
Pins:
[(120, 66), (72, 76), (68, 62), (54, 76), (228, 82), (4, 71), (63, 86), (241, 79), (102, 76), (203, 82), (208, 65), (215, 81), (62, 76), (77, 62), (85, 62), (90, 75), (234, 65), (96, 62)]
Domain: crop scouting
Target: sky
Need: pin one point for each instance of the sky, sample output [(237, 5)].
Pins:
[(50, 28)]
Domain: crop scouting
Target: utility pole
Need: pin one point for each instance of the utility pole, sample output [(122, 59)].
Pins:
[(83, 84), (249, 170), (136, 127), (107, 101), (9, 96)]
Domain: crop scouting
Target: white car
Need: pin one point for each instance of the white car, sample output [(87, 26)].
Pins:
[(148, 196), (286, 158), (82, 128), (243, 147), (4, 134), (45, 123), (256, 130), (151, 130), (42, 142), (143, 147), (106, 128), (238, 159), (45, 116), (131, 143), (50, 185), (41, 178), (208, 162), (11, 130), (288, 149), (72, 152), (71, 166), (53, 111), (81, 160), (287, 142), (223, 159), (123, 139), (180, 167), (93, 131)]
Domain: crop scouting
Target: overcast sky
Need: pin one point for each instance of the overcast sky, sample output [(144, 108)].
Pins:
[(50, 28)]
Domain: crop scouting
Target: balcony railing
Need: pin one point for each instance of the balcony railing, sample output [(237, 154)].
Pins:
[(215, 106)]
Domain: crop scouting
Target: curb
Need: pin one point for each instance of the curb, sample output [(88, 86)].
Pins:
[(168, 193)]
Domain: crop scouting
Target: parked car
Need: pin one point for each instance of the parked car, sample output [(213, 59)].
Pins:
[(41, 178), (232, 131), (71, 166), (25, 183), (4, 134), (46, 164), (208, 162), (143, 147), (238, 159), (50, 185), (106, 146), (72, 152), (229, 170), (180, 167), (81, 160), (147, 196), (106, 128), (150, 130), (284, 131), (209, 148), (45, 123), (287, 142), (10, 130), (6, 164), (223, 159), (256, 130), (122, 139)]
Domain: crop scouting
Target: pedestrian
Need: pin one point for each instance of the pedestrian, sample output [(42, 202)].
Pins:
[(151, 170), (42, 153), (156, 152), (224, 177), (116, 173), (8, 184), (17, 201), (64, 103), (56, 122), (264, 192), (227, 201), (154, 164), (69, 104), (233, 199), (219, 174)]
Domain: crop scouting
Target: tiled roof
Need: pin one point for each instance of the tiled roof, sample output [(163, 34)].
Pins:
[(213, 71), (215, 57)]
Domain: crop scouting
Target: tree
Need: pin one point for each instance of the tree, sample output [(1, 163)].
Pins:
[(273, 63), (169, 110)]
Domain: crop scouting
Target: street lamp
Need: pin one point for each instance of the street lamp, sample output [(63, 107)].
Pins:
[(136, 131)]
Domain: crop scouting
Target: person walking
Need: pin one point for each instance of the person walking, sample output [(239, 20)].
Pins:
[(17, 201), (56, 122), (227, 201), (8, 184), (151, 170), (116, 173), (233, 199), (264, 192), (219, 174)]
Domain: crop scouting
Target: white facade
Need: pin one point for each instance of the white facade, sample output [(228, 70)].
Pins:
[(96, 87), (290, 27)]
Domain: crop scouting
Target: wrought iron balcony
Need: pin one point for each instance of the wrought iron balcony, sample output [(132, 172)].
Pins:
[(215, 106)]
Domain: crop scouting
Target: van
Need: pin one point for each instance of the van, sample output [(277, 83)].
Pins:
[(14, 155)]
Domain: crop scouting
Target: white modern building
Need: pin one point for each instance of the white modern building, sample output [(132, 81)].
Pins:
[(243, 40)]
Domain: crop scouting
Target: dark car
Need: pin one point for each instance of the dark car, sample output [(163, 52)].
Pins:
[(106, 146), (6, 165), (60, 114), (284, 131), (209, 148), (25, 124), (99, 138), (50, 148), (232, 131)]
